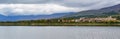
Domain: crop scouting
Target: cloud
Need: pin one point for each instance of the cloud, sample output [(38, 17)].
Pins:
[(34, 9), (70, 3), (89, 4)]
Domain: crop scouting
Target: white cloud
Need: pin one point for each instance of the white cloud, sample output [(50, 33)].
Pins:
[(34, 9), (38, 7)]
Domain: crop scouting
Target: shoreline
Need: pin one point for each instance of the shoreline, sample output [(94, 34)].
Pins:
[(63, 25), (59, 24)]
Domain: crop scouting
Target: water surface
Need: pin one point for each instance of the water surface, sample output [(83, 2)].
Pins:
[(22, 32)]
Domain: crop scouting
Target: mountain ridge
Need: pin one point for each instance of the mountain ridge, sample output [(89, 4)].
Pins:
[(32, 17), (100, 12)]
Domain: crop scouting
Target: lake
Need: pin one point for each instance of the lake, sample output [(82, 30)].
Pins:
[(50, 32)]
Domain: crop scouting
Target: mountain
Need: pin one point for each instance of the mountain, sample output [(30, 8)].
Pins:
[(108, 11), (32, 17)]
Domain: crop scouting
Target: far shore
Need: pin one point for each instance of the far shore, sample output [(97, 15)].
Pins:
[(59, 24)]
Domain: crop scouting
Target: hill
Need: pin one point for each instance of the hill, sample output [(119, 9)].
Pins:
[(32, 17), (104, 12)]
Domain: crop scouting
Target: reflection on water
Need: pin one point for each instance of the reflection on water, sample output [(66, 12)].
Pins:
[(23, 32)]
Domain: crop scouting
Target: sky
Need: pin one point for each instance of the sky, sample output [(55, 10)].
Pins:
[(46, 7)]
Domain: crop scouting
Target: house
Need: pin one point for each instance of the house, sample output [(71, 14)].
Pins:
[(95, 19)]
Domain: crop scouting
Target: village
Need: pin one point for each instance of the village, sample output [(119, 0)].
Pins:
[(83, 19)]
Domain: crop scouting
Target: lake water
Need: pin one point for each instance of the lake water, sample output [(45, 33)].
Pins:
[(22, 32)]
